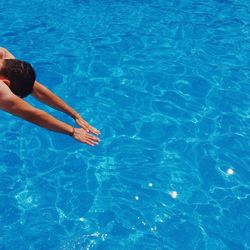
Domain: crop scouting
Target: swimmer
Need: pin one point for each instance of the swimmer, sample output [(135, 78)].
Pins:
[(18, 80)]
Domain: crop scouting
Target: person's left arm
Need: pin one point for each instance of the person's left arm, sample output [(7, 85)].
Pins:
[(43, 94)]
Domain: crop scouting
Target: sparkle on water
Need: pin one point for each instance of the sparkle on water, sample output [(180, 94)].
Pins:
[(173, 194), (230, 171), (167, 83)]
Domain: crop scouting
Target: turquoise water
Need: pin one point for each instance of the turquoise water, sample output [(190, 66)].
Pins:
[(167, 83)]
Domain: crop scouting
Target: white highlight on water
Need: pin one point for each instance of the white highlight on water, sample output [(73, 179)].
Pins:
[(230, 171), (173, 194)]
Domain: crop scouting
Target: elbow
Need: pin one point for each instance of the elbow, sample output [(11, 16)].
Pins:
[(39, 91), (37, 94)]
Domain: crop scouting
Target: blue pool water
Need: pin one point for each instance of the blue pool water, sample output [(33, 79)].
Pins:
[(168, 85)]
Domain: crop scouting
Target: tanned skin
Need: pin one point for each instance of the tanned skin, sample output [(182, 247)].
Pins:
[(18, 107)]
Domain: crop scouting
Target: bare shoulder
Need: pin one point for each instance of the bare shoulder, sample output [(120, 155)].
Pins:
[(2, 53), (5, 54), (5, 91)]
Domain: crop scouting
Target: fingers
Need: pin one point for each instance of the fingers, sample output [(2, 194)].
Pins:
[(83, 124), (91, 137), (95, 131), (82, 135), (91, 143), (87, 141), (90, 129), (92, 140)]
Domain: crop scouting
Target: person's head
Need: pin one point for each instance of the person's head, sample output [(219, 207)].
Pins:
[(18, 75)]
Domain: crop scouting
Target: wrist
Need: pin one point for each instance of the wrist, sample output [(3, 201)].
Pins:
[(72, 132)]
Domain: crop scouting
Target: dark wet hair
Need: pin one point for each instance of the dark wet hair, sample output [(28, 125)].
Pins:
[(21, 76)]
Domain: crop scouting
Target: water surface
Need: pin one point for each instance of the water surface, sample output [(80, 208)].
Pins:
[(167, 83)]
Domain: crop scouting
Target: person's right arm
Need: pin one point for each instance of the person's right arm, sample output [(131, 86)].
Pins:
[(16, 106)]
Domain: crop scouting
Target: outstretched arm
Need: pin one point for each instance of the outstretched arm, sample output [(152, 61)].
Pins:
[(16, 106), (41, 93)]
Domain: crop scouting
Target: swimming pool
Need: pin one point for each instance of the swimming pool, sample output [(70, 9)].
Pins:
[(167, 83)]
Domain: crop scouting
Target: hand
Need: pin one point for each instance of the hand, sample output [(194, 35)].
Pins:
[(82, 136), (83, 124)]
